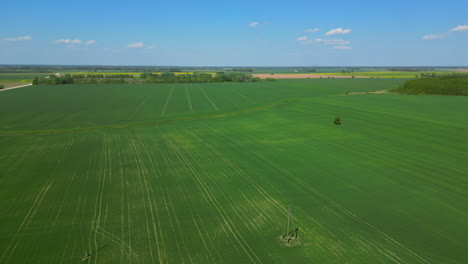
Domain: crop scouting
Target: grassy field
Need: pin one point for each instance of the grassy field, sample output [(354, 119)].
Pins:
[(20, 77), (386, 74), (81, 106), (388, 186)]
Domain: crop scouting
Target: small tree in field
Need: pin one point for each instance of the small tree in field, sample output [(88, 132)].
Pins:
[(2, 86), (337, 121)]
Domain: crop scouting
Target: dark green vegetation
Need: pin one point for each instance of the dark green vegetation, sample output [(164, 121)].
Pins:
[(2, 86), (450, 84), (168, 77), (84, 79), (146, 77), (388, 186), (337, 121)]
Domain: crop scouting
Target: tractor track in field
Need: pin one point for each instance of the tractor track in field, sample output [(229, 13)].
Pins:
[(154, 122)]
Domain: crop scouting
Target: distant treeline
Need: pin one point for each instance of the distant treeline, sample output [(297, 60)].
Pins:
[(410, 69), (84, 79), (307, 70), (101, 76), (146, 77), (450, 84), (168, 77), (52, 79), (240, 69)]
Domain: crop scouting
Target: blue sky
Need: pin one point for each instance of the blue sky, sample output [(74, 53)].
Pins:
[(235, 33)]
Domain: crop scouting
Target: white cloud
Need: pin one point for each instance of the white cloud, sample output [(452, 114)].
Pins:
[(69, 41), (429, 37), (19, 38), (337, 31), (460, 28), (136, 45), (90, 42), (302, 38), (253, 24), (312, 30), (342, 47)]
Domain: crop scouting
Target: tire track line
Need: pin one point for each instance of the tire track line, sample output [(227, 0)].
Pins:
[(99, 196), (156, 224), (182, 189), (163, 112), (188, 98), (330, 201), (162, 256), (139, 107), (141, 190), (209, 99), (226, 219), (32, 211), (26, 221)]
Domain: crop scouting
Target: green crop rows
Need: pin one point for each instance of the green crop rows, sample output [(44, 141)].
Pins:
[(389, 185)]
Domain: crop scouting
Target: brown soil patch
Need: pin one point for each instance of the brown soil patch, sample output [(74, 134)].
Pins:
[(461, 70), (300, 76)]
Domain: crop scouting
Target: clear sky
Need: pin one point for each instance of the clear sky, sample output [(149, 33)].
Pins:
[(235, 33)]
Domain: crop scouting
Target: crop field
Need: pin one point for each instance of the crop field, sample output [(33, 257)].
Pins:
[(205, 173), (20, 77), (386, 74), (83, 106)]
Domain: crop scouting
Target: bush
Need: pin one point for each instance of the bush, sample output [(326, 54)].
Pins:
[(337, 121), (2, 87)]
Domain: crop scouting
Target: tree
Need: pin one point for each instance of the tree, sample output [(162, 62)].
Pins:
[(35, 81), (337, 121), (2, 86)]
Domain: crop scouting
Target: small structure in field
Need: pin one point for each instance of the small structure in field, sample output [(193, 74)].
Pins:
[(290, 236)]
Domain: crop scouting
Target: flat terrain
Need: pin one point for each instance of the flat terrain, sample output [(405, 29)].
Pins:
[(300, 76), (388, 186), (364, 73), (82, 106), (18, 79)]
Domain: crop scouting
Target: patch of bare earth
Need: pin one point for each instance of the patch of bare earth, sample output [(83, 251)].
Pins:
[(461, 70), (300, 76)]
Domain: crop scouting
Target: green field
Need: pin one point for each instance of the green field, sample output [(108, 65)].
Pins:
[(18, 79), (83, 106), (212, 183), (388, 74)]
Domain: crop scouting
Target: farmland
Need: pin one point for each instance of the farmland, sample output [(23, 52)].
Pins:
[(204, 173), (380, 74), (19, 77)]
